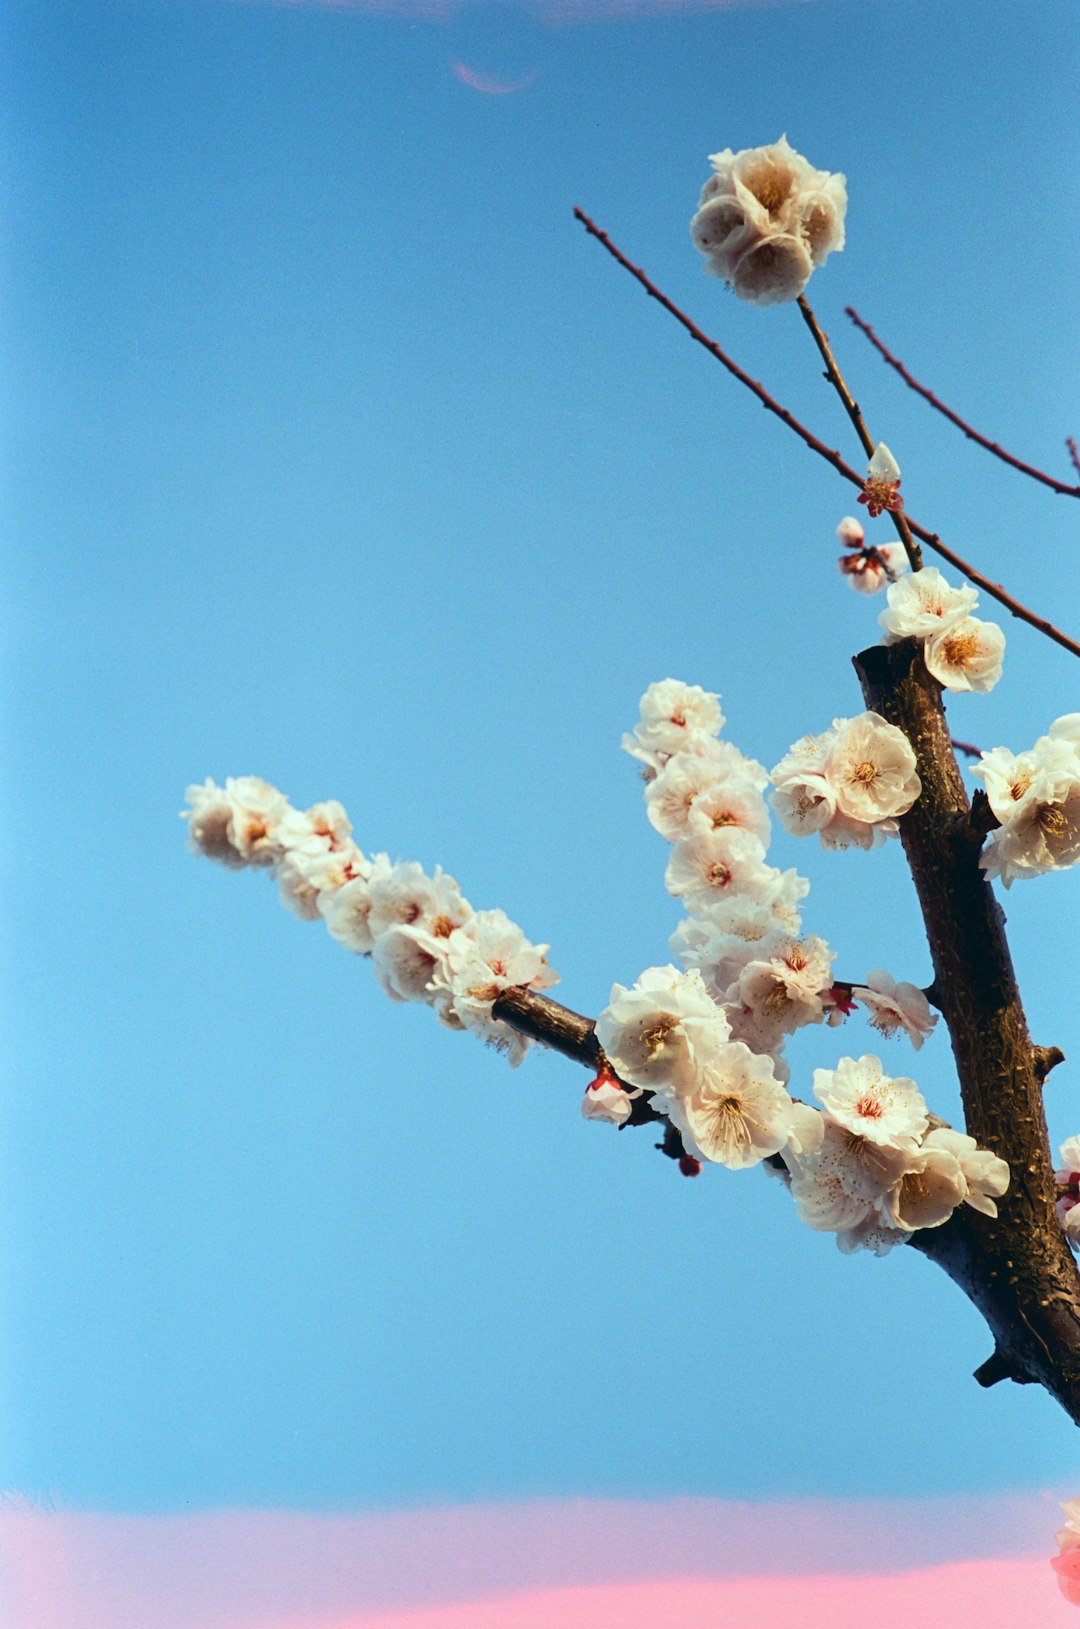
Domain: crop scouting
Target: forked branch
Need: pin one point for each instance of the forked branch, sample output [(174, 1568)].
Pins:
[(830, 455)]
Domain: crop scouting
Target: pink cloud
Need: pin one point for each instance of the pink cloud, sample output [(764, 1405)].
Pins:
[(576, 1564), (486, 83)]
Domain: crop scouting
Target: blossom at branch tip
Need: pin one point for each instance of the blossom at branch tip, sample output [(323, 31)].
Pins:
[(887, 1110), (673, 717), (606, 1100), (235, 824), (426, 942), (881, 489), (766, 219), (891, 1006)]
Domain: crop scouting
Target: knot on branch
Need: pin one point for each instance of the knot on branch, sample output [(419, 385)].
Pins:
[(974, 828), (1000, 1367), (1047, 1058)]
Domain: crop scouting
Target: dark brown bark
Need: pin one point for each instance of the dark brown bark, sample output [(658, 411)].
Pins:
[(1018, 1269)]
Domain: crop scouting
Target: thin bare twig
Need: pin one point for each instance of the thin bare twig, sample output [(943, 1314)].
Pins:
[(854, 413), (965, 747), (1074, 452), (954, 418), (931, 539)]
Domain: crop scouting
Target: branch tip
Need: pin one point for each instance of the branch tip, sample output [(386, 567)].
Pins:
[(1047, 1058)]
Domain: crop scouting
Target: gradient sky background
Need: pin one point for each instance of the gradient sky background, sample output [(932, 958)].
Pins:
[(340, 455)]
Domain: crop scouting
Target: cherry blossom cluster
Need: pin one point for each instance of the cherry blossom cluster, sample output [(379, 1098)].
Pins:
[(766, 219), (962, 652), (425, 940), (866, 1166), (741, 934), (869, 566), (848, 784), (1035, 796)]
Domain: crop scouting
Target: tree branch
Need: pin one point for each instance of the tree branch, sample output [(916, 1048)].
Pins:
[(830, 455), (954, 418), (1018, 1268), (1074, 453), (851, 407)]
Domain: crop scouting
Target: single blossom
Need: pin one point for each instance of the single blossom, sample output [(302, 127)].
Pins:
[(606, 1100), (739, 1113), (871, 767), (838, 1184), (704, 868), (766, 219), (923, 604), (986, 1174), (882, 487), (891, 1006), (884, 1109), (872, 569), (659, 1033), (967, 655)]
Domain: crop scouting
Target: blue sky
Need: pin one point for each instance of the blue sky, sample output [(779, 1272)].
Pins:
[(338, 454)]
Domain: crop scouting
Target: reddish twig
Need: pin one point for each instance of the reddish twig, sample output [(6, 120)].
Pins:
[(1074, 452), (954, 418), (931, 539), (965, 747)]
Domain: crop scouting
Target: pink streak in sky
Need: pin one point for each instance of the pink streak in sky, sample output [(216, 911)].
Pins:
[(485, 82)]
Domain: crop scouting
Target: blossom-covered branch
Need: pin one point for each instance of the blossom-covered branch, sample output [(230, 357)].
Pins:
[(954, 418), (830, 455), (1017, 1267)]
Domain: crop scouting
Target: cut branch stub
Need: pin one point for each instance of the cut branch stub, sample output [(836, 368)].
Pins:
[(1018, 1269)]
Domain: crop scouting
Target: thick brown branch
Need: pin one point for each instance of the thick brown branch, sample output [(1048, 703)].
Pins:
[(830, 455), (954, 418), (1018, 1269), (854, 413)]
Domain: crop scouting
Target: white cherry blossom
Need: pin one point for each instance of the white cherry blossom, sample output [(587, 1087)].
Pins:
[(930, 1188), (887, 1110), (967, 655), (871, 767), (839, 1184), (922, 604), (706, 867), (606, 1100), (738, 1113), (659, 1033), (891, 1006), (986, 1175), (236, 824)]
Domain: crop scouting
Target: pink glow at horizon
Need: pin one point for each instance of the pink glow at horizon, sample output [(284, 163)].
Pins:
[(970, 1595), (974, 1563)]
